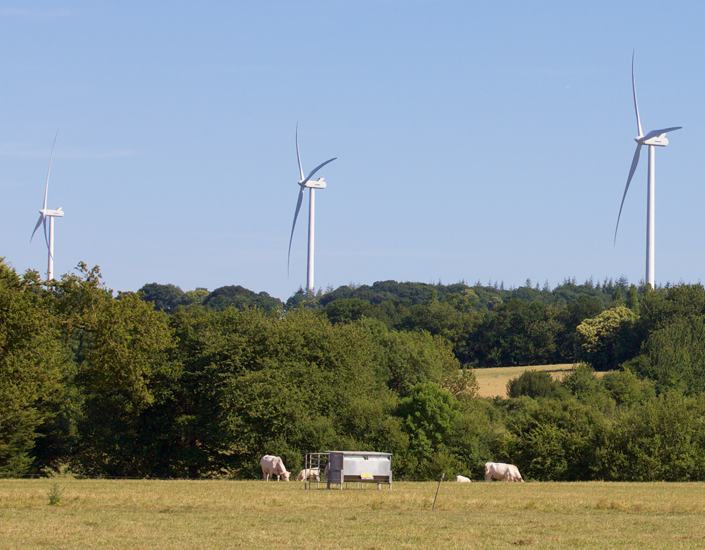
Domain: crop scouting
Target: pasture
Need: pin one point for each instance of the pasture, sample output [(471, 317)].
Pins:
[(165, 515), (493, 382)]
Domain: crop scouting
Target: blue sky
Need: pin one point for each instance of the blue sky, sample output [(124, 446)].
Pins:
[(475, 141)]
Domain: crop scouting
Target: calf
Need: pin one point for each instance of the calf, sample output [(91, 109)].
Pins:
[(310, 473)]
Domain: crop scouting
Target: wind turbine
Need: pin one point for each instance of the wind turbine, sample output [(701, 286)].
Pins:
[(312, 186), (655, 138), (51, 214)]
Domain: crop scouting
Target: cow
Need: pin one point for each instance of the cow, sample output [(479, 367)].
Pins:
[(462, 479), (310, 473), (273, 466), (498, 470)]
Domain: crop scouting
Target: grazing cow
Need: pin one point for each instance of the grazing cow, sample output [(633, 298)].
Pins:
[(310, 473), (498, 470), (273, 466), (462, 479)]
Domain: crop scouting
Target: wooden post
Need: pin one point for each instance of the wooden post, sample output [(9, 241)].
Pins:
[(443, 475)]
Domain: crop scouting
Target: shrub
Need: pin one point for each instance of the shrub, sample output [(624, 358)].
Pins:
[(535, 384), (660, 440)]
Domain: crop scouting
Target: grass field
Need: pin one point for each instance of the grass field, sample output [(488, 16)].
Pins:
[(493, 382), (164, 515)]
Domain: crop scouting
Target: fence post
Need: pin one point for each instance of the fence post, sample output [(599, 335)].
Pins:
[(443, 475)]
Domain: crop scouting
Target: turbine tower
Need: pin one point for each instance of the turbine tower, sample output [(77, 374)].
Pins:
[(655, 138), (51, 214), (312, 186)]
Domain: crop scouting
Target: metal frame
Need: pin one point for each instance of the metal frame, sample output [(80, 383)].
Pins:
[(332, 471)]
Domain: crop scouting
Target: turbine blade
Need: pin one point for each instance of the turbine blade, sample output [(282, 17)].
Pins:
[(296, 215), (636, 105), (46, 188), (654, 133), (46, 238), (301, 170), (316, 169), (635, 161), (39, 222)]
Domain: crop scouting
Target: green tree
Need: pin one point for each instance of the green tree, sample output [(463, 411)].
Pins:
[(627, 389), (240, 298), (555, 440), (119, 348), (429, 414), (632, 301), (32, 367), (609, 339), (674, 356), (348, 310), (569, 317), (516, 333), (658, 440), (164, 297), (442, 319)]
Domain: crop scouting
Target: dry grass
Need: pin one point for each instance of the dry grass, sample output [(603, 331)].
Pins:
[(493, 382), (165, 515)]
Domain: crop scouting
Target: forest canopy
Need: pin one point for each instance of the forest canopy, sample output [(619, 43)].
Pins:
[(197, 384)]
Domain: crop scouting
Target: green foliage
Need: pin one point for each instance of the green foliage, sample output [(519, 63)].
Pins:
[(569, 317), (659, 307), (588, 388), (429, 414), (535, 384), (609, 339), (443, 319), (674, 356), (659, 440), (627, 389), (516, 333), (240, 298), (31, 366), (348, 310), (632, 301), (555, 440), (115, 386), (119, 350), (164, 297), (412, 358), (54, 494)]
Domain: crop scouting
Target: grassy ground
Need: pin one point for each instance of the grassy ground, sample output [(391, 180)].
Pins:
[(165, 515), (493, 382)]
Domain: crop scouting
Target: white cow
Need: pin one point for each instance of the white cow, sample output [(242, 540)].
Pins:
[(273, 466), (310, 473), (499, 470), (462, 479)]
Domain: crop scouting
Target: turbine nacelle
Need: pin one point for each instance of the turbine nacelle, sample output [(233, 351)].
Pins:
[(58, 213), (316, 184), (658, 141), (656, 137)]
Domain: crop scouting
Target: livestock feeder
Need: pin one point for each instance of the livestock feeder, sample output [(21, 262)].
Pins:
[(343, 467)]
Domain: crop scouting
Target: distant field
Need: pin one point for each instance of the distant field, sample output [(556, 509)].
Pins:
[(493, 382), (169, 515)]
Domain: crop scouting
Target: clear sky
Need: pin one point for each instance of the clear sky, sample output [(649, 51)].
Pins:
[(475, 140)]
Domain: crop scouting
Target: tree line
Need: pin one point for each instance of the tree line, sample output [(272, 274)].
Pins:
[(198, 384)]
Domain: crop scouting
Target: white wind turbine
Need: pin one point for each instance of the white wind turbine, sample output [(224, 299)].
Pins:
[(51, 214), (655, 138), (312, 186)]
